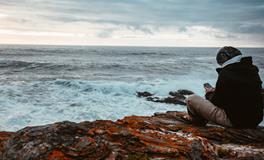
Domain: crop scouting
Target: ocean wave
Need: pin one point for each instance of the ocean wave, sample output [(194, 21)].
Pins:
[(142, 53), (28, 66), (14, 64), (150, 53), (43, 50), (43, 102)]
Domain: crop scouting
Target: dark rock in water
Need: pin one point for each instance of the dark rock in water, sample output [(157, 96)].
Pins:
[(177, 97), (174, 100), (144, 94), (177, 94), (153, 99), (169, 100), (185, 92), (162, 136)]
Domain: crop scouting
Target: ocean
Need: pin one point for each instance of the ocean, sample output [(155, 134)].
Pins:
[(46, 84)]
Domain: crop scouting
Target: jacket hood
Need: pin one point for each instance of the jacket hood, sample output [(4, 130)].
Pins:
[(246, 60), (245, 63)]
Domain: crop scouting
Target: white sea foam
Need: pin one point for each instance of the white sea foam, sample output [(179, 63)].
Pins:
[(45, 102)]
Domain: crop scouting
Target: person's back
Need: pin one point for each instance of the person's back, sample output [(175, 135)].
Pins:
[(238, 92), (236, 101)]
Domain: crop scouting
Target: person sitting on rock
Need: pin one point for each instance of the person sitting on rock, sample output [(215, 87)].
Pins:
[(236, 101)]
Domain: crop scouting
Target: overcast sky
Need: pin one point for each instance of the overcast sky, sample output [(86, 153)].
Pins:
[(133, 22)]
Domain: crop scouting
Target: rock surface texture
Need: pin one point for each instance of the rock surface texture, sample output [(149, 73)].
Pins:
[(161, 136)]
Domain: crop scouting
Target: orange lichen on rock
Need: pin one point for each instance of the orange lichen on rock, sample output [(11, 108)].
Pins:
[(4, 136), (57, 155), (161, 136)]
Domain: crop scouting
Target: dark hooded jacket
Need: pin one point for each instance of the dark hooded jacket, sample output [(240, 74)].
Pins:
[(238, 92)]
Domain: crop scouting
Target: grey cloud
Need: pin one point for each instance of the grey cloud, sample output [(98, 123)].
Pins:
[(236, 16), (106, 33), (252, 28), (232, 36), (146, 30)]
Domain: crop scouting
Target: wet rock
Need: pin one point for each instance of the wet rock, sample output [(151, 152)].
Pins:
[(144, 94), (169, 100), (185, 92), (177, 94), (161, 136), (176, 97)]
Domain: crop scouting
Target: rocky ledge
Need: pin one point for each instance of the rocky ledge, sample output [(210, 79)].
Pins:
[(161, 136)]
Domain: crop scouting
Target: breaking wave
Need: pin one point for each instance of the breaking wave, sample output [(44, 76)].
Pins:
[(44, 102)]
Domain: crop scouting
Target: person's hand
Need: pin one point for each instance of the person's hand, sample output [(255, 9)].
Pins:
[(209, 90)]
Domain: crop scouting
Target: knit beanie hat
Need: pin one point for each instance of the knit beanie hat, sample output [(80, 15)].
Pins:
[(226, 53)]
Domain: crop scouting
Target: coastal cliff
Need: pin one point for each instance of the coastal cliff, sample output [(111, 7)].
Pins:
[(161, 136)]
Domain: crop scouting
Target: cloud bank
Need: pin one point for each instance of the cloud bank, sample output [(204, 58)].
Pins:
[(133, 22)]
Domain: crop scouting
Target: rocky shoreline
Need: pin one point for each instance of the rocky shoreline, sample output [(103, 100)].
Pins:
[(161, 136)]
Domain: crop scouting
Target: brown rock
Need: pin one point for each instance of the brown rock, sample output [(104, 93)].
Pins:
[(4, 136), (161, 136)]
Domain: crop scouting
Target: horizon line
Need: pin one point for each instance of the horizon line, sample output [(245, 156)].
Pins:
[(147, 46)]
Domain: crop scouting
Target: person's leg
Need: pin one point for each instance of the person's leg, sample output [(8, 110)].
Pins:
[(193, 102), (202, 110)]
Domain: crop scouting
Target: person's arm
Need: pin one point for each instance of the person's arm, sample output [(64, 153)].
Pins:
[(262, 93), (209, 90), (209, 93), (220, 90)]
